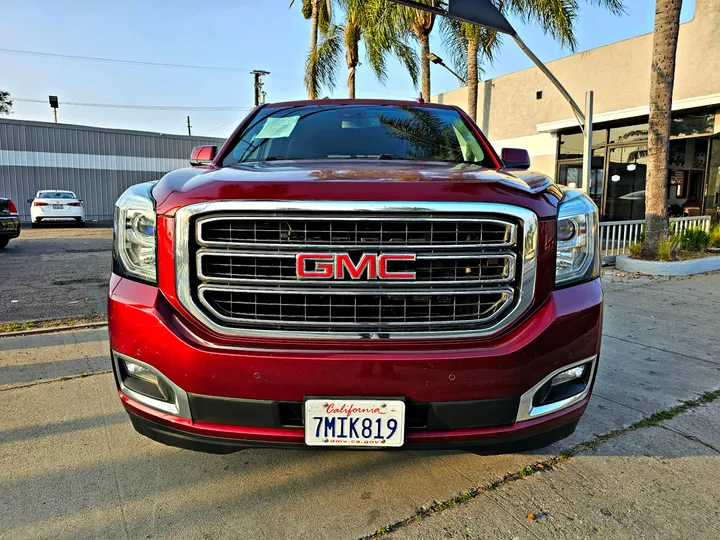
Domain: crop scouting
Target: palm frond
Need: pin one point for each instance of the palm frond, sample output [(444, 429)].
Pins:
[(322, 67), (5, 102)]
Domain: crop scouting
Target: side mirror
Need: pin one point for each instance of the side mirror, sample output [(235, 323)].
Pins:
[(515, 158), (30, 201), (203, 155), (81, 201)]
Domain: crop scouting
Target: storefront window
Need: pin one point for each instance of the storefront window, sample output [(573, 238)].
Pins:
[(638, 132), (571, 145), (692, 124)]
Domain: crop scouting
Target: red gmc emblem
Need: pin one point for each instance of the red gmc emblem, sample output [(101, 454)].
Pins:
[(340, 265)]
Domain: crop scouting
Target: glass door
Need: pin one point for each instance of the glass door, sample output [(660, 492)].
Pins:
[(625, 199), (711, 204)]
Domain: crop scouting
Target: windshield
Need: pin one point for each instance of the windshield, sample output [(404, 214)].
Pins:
[(55, 195), (358, 132)]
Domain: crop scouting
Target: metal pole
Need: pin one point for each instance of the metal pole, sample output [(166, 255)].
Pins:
[(55, 114), (189, 126), (549, 75), (459, 78), (587, 143)]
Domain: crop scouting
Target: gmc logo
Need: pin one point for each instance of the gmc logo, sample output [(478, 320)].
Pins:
[(339, 265)]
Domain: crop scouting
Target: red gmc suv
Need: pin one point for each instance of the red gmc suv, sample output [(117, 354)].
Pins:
[(355, 273)]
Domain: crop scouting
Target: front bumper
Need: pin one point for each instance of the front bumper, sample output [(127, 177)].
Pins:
[(9, 226), (248, 393)]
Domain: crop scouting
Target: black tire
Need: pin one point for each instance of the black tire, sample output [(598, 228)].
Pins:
[(4, 242), (36, 222), (79, 222)]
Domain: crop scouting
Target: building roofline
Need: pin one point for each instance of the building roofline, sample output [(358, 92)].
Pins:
[(622, 114), (80, 127)]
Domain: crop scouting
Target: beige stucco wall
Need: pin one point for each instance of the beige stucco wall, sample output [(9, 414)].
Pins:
[(619, 74)]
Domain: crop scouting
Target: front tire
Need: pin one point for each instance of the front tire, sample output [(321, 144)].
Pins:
[(4, 242)]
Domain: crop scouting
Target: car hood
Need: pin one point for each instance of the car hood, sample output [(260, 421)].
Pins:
[(357, 180)]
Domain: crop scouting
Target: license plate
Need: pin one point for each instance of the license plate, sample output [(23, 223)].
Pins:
[(57, 207), (367, 423)]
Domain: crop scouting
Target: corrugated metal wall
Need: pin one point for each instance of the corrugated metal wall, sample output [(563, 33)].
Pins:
[(97, 164)]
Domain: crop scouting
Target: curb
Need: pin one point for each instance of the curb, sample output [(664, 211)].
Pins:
[(675, 268), (52, 330)]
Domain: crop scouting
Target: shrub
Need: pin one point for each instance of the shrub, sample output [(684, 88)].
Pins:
[(668, 248), (641, 234), (714, 238), (694, 240), (635, 249)]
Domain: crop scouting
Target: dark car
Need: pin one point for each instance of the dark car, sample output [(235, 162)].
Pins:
[(355, 273), (9, 222)]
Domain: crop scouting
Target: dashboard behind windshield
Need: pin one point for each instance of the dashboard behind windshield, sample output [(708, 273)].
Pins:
[(383, 132)]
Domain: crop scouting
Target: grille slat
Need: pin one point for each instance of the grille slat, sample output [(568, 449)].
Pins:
[(466, 271)]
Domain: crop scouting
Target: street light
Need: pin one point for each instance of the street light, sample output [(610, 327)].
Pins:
[(484, 13), (435, 59)]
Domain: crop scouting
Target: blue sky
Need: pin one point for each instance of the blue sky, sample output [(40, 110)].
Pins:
[(242, 34)]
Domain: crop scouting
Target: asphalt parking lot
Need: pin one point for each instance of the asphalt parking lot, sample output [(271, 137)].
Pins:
[(643, 463), (55, 271)]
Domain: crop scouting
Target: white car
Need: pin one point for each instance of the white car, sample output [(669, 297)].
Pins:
[(56, 204)]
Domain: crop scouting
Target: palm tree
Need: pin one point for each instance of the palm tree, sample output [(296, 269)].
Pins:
[(367, 21), (5, 102), (470, 44), (420, 24), (317, 73), (662, 80)]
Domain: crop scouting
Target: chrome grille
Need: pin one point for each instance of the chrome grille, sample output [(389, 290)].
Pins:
[(474, 264)]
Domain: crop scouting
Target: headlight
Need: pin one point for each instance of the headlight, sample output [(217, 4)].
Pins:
[(578, 240), (134, 235)]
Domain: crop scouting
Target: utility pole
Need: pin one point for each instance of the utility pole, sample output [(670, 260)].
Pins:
[(259, 94), (54, 104), (189, 126)]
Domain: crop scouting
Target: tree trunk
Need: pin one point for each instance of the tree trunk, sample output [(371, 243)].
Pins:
[(425, 65), (351, 81), (662, 79), (472, 80), (310, 66)]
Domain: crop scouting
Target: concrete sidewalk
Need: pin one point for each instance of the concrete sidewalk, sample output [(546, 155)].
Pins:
[(71, 465), (658, 482)]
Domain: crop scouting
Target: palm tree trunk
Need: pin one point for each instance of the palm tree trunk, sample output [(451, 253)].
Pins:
[(662, 79), (425, 65), (351, 81), (472, 80), (312, 55)]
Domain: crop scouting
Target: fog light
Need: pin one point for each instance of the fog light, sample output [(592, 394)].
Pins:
[(568, 375), (142, 379), (140, 372)]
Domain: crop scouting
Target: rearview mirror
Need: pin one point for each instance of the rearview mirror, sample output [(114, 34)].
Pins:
[(515, 158), (203, 155)]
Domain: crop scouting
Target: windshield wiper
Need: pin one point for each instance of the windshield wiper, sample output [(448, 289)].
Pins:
[(391, 156)]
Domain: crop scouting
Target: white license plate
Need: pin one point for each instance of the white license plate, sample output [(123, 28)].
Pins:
[(366, 423), (58, 206)]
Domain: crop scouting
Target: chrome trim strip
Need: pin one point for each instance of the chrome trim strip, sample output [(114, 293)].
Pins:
[(510, 241), (508, 272), (525, 287), (526, 411), (181, 405)]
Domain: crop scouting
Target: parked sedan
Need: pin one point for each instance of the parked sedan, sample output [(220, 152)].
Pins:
[(55, 204), (9, 222)]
